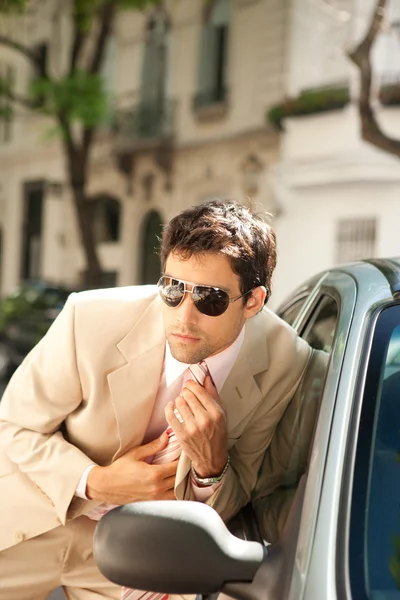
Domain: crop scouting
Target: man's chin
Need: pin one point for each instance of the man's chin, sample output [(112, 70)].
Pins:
[(187, 355)]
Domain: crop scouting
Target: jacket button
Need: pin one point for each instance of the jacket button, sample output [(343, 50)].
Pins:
[(19, 536)]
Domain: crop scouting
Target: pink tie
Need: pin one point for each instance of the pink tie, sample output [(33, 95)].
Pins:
[(171, 452)]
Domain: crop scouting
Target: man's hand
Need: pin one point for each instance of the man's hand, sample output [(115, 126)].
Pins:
[(130, 479), (203, 434)]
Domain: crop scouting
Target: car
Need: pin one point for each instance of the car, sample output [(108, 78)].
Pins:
[(25, 316), (342, 537)]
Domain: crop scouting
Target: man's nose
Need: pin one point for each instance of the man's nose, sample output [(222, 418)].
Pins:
[(187, 310)]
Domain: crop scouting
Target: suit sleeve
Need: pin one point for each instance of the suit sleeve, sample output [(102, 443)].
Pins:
[(285, 460), (42, 392)]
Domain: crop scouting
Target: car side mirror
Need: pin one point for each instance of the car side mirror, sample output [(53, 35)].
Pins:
[(174, 547)]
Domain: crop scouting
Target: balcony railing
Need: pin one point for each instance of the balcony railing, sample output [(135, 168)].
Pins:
[(146, 121)]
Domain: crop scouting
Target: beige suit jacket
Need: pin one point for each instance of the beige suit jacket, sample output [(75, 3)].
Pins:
[(86, 392)]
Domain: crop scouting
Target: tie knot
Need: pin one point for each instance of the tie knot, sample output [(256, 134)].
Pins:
[(199, 372)]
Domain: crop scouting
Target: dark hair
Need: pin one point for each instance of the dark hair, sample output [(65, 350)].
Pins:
[(230, 228)]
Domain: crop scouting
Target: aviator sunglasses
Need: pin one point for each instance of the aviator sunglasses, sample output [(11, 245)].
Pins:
[(208, 300)]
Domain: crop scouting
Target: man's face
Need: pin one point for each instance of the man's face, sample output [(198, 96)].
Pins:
[(192, 336)]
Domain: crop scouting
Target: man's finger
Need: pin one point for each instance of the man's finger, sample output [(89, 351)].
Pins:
[(207, 395), (196, 407), (170, 495), (183, 408), (167, 470), (170, 483), (142, 452)]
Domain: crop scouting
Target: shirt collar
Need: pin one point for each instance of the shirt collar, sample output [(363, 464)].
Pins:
[(219, 365)]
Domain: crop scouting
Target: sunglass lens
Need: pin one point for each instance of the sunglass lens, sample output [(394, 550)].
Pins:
[(171, 291), (210, 301)]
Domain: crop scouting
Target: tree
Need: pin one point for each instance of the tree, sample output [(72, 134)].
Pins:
[(360, 56), (76, 100), (371, 131)]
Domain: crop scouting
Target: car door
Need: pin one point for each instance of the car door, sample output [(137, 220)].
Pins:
[(324, 322)]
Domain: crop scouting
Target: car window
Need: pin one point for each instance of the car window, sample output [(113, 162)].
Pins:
[(291, 310), (320, 329), (375, 512)]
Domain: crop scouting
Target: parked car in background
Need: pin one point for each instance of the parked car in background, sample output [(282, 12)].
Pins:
[(25, 316), (342, 537)]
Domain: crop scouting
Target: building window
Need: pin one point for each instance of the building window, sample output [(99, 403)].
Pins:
[(355, 239), (108, 75), (6, 83), (155, 60), (213, 55), (106, 215)]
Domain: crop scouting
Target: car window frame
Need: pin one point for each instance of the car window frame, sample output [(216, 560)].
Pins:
[(345, 582), (311, 292), (332, 284), (301, 297)]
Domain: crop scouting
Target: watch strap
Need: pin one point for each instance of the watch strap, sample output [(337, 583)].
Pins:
[(210, 480)]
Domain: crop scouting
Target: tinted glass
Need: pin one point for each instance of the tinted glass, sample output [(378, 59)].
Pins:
[(321, 327), (289, 313), (375, 516)]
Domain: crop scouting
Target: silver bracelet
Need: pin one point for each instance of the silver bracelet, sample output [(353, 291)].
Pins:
[(210, 480)]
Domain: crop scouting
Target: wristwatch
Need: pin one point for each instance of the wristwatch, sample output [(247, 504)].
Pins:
[(210, 480)]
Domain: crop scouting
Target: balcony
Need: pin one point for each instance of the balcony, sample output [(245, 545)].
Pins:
[(310, 102), (145, 125)]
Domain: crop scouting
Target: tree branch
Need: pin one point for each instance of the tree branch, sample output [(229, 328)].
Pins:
[(29, 54), (67, 134), (79, 38), (106, 19), (361, 57)]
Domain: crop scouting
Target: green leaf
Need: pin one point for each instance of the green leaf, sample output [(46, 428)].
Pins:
[(81, 97), (5, 86), (13, 6), (6, 112), (84, 12), (135, 4), (309, 102)]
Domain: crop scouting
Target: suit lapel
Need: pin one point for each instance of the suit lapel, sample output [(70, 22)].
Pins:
[(134, 386), (240, 393)]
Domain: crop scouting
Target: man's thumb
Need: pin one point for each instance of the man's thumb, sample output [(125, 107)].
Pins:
[(142, 452)]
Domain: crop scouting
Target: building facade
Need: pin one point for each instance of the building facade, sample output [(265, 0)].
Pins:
[(339, 197), (190, 84)]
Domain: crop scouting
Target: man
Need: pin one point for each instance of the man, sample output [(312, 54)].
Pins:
[(86, 413)]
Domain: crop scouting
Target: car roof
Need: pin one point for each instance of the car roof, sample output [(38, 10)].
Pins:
[(388, 267)]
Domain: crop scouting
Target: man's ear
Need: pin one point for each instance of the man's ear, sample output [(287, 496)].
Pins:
[(255, 301)]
